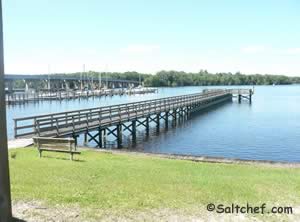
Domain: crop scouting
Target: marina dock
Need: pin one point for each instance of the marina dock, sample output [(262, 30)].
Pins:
[(20, 98)]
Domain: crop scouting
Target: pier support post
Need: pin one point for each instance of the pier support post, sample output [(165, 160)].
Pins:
[(134, 131), (85, 138), (167, 120), (240, 98), (75, 138), (119, 135), (100, 138), (174, 122), (147, 126), (175, 115), (180, 112), (157, 122), (189, 108), (104, 138)]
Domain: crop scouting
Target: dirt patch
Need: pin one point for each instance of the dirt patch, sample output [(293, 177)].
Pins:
[(35, 211)]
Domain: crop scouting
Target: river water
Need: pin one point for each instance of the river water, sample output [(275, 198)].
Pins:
[(268, 129)]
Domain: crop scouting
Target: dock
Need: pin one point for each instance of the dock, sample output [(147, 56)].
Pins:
[(20, 98), (98, 123)]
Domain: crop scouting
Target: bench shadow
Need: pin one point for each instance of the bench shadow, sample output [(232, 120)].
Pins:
[(14, 219), (62, 158)]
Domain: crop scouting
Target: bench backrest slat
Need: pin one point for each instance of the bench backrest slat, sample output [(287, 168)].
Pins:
[(55, 143)]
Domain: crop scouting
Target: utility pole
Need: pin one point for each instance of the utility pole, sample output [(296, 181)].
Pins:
[(5, 198)]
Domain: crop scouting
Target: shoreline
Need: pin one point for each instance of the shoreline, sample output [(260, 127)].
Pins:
[(23, 143), (204, 159)]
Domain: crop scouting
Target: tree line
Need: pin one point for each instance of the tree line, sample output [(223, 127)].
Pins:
[(202, 78), (177, 78)]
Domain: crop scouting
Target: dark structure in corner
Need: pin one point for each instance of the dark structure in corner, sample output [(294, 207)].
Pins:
[(5, 199)]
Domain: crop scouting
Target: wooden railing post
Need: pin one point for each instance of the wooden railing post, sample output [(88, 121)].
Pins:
[(136, 111), (73, 124), (57, 126), (99, 117), (51, 120), (110, 113), (128, 111), (16, 128), (87, 120), (34, 125), (66, 117)]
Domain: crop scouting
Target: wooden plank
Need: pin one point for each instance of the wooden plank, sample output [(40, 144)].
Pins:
[(43, 139), (60, 151)]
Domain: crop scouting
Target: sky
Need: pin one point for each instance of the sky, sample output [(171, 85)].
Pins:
[(250, 36)]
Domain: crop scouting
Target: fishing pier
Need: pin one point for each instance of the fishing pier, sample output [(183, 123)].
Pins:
[(96, 124)]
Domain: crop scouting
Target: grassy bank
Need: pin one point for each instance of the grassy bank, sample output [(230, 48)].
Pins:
[(126, 182), (113, 186)]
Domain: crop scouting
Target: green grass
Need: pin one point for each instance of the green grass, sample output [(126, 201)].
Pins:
[(123, 182)]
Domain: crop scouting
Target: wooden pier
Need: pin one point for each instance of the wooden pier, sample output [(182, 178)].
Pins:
[(113, 120), (240, 94), (20, 98)]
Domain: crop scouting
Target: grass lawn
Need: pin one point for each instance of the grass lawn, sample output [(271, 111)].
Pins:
[(126, 182)]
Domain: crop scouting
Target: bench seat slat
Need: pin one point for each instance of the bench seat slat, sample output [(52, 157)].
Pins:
[(62, 151), (55, 146)]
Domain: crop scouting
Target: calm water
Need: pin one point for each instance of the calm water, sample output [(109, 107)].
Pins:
[(268, 129)]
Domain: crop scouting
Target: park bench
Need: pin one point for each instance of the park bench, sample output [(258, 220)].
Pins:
[(61, 145)]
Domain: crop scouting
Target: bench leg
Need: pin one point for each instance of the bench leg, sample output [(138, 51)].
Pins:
[(40, 153), (72, 156)]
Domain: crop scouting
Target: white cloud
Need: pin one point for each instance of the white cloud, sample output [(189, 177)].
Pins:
[(253, 49), (140, 49)]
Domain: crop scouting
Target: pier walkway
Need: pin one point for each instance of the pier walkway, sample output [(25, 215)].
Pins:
[(113, 120)]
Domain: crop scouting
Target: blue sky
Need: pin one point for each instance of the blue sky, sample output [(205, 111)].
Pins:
[(254, 36)]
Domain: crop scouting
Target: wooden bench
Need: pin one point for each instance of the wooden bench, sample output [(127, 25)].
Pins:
[(62, 145)]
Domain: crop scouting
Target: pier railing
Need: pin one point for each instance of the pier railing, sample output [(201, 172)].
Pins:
[(62, 123), (232, 91)]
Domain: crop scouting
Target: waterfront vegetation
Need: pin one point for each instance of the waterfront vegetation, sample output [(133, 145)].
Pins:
[(202, 78), (126, 182), (177, 78)]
